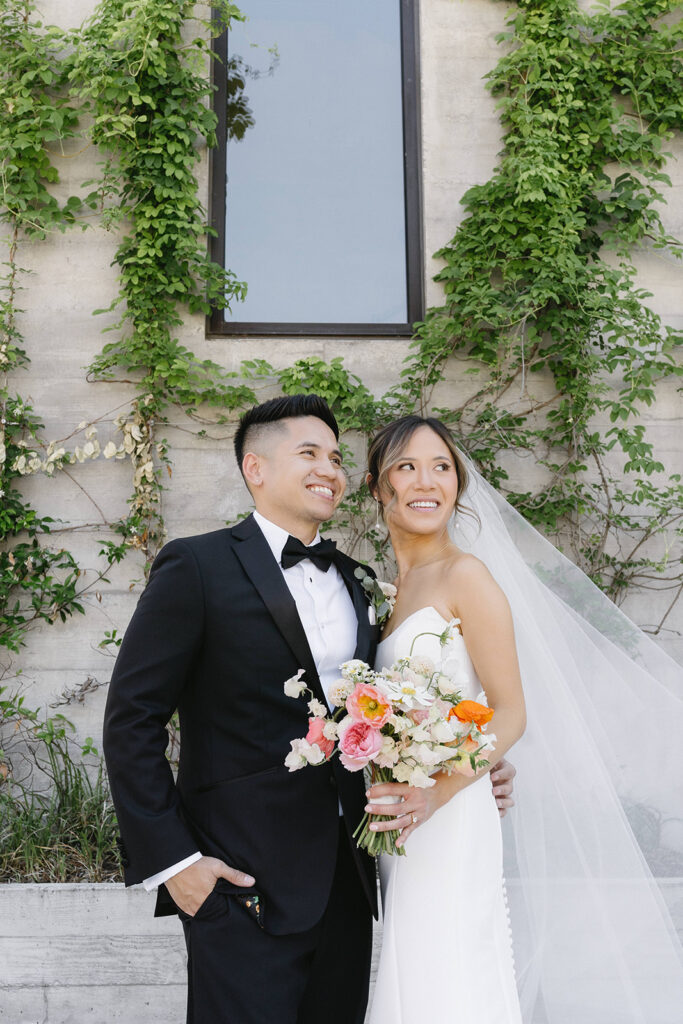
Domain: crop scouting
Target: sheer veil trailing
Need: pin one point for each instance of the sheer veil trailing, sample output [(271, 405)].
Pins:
[(599, 790)]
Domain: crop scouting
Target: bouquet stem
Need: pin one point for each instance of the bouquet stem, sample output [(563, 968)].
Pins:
[(379, 842)]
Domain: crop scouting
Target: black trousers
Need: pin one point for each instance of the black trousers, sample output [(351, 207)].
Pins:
[(239, 974)]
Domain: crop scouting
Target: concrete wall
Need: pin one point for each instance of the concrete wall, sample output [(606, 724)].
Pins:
[(71, 274)]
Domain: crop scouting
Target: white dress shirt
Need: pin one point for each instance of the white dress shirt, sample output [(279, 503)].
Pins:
[(329, 620)]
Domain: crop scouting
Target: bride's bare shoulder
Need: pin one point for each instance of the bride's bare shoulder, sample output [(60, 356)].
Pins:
[(467, 568), (467, 578), (474, 594)]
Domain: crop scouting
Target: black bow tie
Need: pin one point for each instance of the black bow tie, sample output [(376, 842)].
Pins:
[(321, 554)]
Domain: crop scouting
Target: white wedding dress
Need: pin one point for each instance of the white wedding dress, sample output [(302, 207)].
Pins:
[(446, 949)]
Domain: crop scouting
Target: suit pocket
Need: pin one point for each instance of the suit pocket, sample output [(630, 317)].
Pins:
[(235, 779), (214, 906)]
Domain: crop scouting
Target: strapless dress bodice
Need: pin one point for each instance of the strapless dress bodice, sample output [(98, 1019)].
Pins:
[(419, 634)]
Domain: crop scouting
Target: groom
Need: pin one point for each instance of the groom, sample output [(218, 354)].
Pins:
[(260, 864)]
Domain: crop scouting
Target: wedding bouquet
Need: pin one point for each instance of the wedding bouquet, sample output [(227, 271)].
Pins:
[(402, 724)]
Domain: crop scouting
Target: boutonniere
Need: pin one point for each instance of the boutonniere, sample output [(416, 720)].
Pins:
[(382, 596)]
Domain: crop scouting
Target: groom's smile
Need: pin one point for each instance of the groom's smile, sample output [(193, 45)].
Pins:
[(319, 489)]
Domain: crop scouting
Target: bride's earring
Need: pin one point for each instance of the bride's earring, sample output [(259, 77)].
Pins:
[(374, 530), (378, 528)]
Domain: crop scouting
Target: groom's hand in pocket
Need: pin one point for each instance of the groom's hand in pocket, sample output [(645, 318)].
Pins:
[(191, 886)]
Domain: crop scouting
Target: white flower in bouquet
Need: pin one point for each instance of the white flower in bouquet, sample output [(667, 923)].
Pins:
[(420, 779), (420, 733), (293, 686), (489, 741), (317, 708), (422, 665), (356, 670), (389, 754), (303, 753), (410, 692), (314, 754), (444, 684), (388, 589), (459, 728), (439, 709), (414, 775), (330, 730), (442, 731), (401, 771), (338, 693), (449, 632), (400, 723), (429, 755)]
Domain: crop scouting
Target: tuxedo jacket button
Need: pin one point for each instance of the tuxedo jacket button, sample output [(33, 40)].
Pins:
[(333, 782)]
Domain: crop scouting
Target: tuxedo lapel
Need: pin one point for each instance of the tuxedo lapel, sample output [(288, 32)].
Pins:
[(366, 634), (265, 574)]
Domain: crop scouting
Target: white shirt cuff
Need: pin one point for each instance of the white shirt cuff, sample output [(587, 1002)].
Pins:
[(163, 876)]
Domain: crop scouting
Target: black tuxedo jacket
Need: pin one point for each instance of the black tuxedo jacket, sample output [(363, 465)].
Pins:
[(215, 634)]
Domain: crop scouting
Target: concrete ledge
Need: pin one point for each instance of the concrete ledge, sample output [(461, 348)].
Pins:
[(82, 952)]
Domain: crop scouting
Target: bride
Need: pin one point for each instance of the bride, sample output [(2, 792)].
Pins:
[(592, 938)]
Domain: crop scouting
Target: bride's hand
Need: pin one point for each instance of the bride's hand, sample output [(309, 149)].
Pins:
[(416, 807)]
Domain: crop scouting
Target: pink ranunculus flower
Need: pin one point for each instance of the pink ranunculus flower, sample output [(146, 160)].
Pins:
[(368, 704), (358, 744), (315, 735)]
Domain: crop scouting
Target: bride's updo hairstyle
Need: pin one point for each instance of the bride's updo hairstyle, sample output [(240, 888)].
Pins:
[(387, 448)]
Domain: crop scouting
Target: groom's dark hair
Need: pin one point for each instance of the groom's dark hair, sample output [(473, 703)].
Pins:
[(261, 418)]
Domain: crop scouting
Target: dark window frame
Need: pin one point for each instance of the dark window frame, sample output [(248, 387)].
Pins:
[(412, 162)]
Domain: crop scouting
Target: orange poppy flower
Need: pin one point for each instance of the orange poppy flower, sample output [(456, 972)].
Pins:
[(472, 711)]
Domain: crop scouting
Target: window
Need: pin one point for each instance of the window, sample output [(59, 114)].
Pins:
[(318, 144)]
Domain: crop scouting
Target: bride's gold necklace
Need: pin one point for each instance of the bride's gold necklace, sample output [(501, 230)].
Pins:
[(422, 565)]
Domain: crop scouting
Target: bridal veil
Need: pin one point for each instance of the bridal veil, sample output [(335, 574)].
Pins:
[(599, 789)]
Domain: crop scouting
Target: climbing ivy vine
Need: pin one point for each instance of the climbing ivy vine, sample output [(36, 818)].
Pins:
[(37, 582), (542, 310), (542, 305), (147, 89)]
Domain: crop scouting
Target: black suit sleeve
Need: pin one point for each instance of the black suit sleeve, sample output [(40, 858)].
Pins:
[(159, 647)]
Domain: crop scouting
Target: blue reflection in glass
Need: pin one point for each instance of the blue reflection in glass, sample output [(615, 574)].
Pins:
[(315, 220)]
